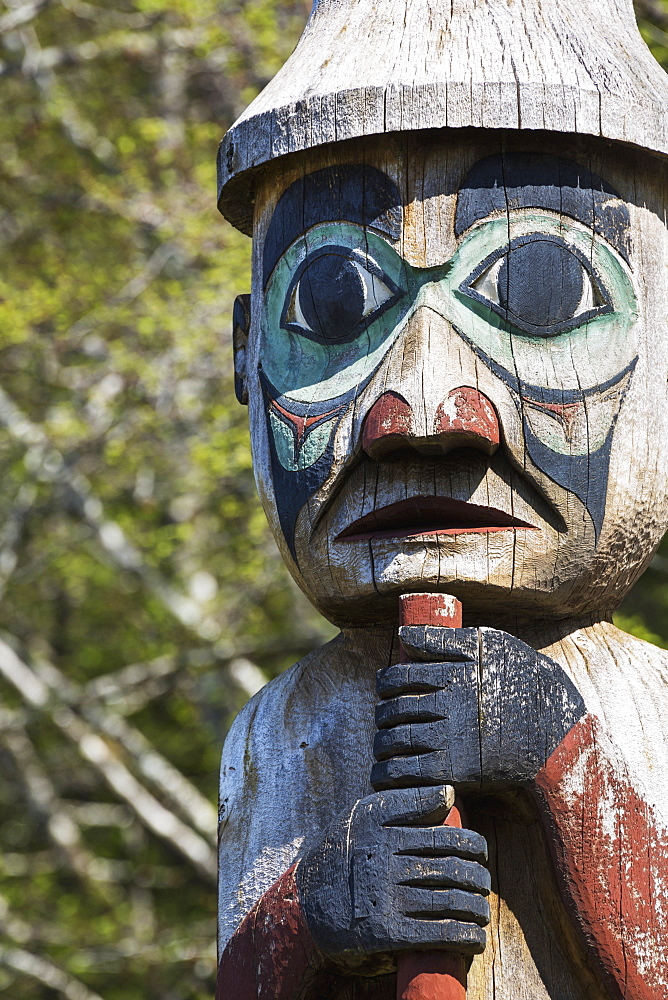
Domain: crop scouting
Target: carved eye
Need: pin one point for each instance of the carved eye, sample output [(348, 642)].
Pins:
[(335, 294), (541, 285)]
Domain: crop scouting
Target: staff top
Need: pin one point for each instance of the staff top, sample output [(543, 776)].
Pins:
[(368, 67)]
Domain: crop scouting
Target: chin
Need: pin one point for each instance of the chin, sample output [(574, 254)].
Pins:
[(494, 574)]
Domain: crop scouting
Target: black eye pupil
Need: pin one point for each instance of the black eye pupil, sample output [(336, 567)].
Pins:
[(541, 283), (332, 297)]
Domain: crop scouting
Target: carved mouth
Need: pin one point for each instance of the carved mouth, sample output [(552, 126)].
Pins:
[(420, 516)]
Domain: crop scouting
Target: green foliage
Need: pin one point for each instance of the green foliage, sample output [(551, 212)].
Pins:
[(141, 590), (134, 557)]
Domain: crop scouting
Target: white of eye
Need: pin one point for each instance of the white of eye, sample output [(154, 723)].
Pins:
[(488, 282), (295, 314), (589, 298), (376, 292)]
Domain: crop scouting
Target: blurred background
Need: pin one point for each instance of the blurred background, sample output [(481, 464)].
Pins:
[(143, 600)]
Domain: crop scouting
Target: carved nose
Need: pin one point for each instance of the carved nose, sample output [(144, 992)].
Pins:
[(466, 414), (465, 419)]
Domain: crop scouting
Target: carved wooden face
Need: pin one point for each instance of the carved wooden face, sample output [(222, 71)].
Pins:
[(455, 362)]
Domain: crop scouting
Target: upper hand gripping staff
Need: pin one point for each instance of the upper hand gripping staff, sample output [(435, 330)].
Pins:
[(388, 876), (485, 711)]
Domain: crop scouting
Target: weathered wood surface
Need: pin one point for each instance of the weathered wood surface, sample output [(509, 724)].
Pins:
[(576, 830), (455, 359), (363, 69)]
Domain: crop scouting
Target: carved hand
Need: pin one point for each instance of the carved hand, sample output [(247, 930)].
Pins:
[(389, 877), (486, 711)]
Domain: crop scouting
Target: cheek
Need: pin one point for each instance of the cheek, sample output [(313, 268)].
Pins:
[(571, 440), (304, 439), (298, 440), (639, 461), (571, 428), (293, 449)]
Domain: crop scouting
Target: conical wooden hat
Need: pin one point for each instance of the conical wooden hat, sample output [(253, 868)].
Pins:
[(366, 67)]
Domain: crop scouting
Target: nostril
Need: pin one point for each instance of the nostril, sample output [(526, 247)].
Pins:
[(466, 416), (388, 426)]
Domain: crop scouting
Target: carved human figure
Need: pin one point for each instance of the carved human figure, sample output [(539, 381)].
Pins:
[(455, 359)]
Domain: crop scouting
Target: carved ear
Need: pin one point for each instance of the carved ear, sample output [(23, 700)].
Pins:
[(240, 330)]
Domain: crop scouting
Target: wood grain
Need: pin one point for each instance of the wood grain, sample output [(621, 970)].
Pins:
[(363, 69), (475, 399)]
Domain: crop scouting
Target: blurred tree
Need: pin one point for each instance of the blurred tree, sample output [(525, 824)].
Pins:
[(143, 599)]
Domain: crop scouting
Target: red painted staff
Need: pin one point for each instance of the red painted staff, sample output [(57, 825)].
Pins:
[(423, 975)]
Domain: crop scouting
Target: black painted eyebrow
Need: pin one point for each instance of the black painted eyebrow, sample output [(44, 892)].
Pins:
[(507, 181), (351, 193)]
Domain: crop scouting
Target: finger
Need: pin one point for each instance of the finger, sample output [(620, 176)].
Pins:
[(442, 841), (442, 904), (411, 708), (444, 935), (460, 764), (435, 643), (413, 772), (412, 739), (441, 873), (414, 806), (421, 678), (429, 680), (411, 678)]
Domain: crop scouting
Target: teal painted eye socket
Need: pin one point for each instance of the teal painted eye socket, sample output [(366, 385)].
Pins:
[(541, 336), (333, 306), (540, 284), (335, 294)]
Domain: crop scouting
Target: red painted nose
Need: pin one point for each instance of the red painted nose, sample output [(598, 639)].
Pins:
[(466, 412), (465, 419)]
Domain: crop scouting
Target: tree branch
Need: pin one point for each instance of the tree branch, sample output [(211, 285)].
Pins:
[(134, 288), (94, 749), (60, 825), (21, 15), (653, 10), (46, 973), (49, 464)]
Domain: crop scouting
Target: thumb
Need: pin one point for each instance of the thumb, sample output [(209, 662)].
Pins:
[(435, 642), (416, 806)]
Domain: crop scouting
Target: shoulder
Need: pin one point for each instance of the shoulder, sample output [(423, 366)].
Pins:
[(635, 647), (330, 690), (624, 653), (624, 681), (289, 700), (607, 655), (297, 754), (296, 731)]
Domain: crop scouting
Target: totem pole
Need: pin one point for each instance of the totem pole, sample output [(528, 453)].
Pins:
[(455, 357)]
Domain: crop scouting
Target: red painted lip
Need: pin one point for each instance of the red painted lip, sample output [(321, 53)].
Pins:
[(430, 516)]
